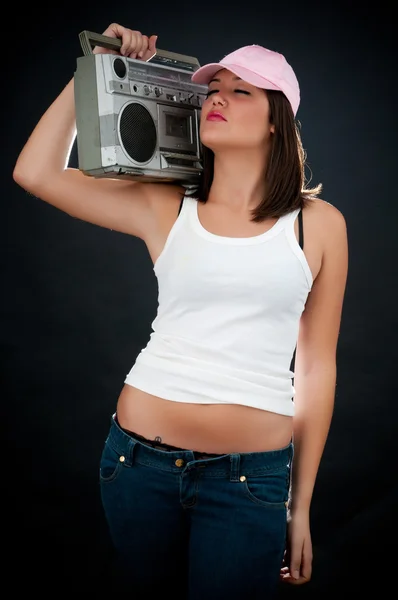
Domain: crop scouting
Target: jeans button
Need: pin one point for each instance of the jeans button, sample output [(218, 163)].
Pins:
[(179, 462)]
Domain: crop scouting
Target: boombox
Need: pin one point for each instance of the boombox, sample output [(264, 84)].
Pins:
[(137, 119)]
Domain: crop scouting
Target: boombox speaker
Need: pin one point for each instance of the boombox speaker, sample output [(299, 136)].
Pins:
[(137, 119)]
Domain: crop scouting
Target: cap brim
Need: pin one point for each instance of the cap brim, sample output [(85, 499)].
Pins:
[(204, 74)]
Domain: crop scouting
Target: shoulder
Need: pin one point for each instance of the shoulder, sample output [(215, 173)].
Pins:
[(325, 229), (326, 218), (157, 193), (164, 200), (331, 228), (325, 210)]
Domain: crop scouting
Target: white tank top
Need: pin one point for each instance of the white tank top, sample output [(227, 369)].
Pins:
[(228, 316)]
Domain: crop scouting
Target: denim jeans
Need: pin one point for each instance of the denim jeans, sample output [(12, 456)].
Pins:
[(195, 529)]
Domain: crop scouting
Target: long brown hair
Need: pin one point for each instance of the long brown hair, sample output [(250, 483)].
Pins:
[(287, 185)]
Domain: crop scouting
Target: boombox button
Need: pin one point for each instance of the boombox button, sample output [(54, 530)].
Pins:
[(158, 92), (146, 90)]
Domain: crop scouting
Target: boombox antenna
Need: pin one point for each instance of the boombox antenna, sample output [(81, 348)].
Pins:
[(88, 40)]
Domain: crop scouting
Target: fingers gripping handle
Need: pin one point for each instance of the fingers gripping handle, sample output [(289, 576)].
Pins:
[(88, 40)]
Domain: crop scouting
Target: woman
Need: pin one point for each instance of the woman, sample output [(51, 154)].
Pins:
[(198, 466)]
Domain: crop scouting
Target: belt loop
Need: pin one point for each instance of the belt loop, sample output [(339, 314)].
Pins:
[(291, 451), (131, 447), (235, 467)]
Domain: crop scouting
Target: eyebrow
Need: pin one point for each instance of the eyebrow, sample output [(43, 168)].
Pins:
[(219, 80)]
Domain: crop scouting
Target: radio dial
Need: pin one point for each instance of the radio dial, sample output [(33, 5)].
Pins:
[(147, 91)]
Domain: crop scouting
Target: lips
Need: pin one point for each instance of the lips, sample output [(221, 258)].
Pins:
[(215, 116)]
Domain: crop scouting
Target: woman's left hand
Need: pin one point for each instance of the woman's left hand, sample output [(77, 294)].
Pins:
[(297, 562)]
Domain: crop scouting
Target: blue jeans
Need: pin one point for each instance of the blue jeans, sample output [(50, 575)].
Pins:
[(198, 529)]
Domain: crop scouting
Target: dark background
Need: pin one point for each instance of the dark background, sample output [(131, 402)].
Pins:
[(78, 300)]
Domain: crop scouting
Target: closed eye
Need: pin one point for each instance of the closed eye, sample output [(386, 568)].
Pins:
[(210, 92)]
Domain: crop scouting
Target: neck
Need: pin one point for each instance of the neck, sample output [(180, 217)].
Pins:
[(239, 179)]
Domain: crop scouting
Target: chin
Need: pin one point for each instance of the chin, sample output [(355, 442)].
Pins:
[(217, 139), (214, 140)]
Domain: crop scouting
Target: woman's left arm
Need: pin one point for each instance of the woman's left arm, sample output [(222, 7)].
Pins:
[(315, 361), (315, 379)]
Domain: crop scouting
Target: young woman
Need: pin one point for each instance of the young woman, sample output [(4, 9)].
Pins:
[(208, 471)]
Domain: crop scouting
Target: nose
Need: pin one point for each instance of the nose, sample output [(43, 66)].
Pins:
[(218, 99)]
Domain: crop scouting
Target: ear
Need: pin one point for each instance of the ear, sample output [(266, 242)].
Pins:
[(272, 128)]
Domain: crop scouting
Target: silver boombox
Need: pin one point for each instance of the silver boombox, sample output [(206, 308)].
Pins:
[(137, 119)]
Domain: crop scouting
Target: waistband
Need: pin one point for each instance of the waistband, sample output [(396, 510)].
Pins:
[(131, 450)]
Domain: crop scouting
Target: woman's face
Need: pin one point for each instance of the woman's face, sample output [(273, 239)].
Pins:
[(245, 112)]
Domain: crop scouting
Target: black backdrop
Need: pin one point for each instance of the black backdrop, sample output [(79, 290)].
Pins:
[(78, 300)]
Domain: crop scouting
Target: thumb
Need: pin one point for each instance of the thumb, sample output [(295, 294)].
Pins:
[(152, 43), (295, 569), (295, 560)]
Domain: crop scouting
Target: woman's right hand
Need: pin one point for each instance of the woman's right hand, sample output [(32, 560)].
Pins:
[(134, 43), (132, 207)]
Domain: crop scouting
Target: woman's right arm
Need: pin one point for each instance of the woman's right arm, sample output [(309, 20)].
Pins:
[(42, 166)]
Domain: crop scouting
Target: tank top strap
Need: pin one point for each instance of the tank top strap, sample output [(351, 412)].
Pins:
[(290, 220), (181, 204), (187, 199), (187, 205)]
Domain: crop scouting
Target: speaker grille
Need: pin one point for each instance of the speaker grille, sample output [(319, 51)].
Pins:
[(138, 132)]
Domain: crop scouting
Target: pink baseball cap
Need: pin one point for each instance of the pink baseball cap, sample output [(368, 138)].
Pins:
[(258, 66)]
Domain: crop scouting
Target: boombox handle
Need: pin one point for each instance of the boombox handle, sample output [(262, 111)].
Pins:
[(88, 40)]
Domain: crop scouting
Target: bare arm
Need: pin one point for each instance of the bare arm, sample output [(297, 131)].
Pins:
[(42, 167), (315, 368), (315, 381)]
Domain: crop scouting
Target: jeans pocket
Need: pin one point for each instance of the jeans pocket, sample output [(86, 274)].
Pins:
[(110, 463), (270, 489)]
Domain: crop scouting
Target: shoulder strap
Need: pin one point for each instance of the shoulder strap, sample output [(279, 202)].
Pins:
[(301, 230)]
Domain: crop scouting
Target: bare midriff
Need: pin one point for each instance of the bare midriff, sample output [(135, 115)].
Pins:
[(213, 428)]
